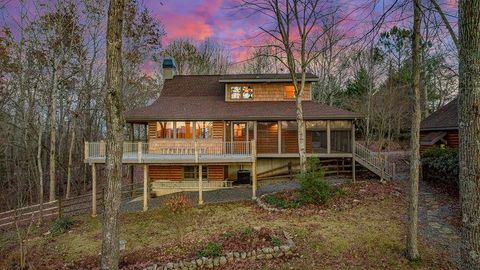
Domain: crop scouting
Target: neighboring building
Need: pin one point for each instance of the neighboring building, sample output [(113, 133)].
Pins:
[(440, 128), (206, 130)]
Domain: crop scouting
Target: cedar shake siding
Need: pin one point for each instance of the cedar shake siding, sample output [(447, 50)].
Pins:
[(175, 173), (267, 92)]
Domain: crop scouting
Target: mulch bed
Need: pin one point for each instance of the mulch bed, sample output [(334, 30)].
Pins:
[(348, 196)]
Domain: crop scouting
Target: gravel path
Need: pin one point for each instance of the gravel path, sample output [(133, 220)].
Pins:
[(439, 212)]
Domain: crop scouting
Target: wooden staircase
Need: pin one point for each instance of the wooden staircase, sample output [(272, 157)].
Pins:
[(375, 162)]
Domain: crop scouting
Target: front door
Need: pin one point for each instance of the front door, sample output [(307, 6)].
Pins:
[(239, 136)]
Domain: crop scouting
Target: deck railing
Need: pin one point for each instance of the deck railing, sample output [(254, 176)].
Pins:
[(173, 149), (376, 162)]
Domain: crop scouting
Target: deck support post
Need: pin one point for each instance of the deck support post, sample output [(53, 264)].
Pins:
[(353, 153), (329, 145), (254, 170), (146, 191), (200, 185), (94, 190)]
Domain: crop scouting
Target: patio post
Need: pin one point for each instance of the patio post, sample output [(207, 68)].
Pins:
[(254, 170), (94, 190), (145, 187), (200, 185), (353, 153)]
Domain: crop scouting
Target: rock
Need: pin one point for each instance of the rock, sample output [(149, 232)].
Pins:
[(269, 256), (276, 249), (284, 248), (236, 255), (278, 254), (122, 244), (243, 255), (209, 265), (261, 256), (199, 262), (254, 253), (169, 265), (229, 255), (249, 254), (223, 260)]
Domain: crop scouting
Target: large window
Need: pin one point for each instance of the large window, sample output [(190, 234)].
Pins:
[(204, 130), (267, 137), (191, 173), (184, 130), (165, 130), (341, 136), (241, 92), (316, 136), (289, 137), (289, 92)]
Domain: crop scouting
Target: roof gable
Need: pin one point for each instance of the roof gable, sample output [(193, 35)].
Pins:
[(444, 118)]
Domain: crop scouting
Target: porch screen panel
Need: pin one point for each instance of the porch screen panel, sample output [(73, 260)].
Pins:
[(341, 136), (267, 137), (316, 136), (289, 137), (165, 130), (184, 130)]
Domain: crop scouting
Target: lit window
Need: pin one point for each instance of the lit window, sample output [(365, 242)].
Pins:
[(241, 92), (289, 91), (184, 130), (165, 130), (204, 129)]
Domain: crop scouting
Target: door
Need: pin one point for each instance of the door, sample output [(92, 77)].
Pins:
[(239, 137)]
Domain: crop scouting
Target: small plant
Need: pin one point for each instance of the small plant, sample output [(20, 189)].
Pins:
[(247, 231), (276, 241), (61, 225), (212, 249), (313, 187), (227, 234), (179, 203)]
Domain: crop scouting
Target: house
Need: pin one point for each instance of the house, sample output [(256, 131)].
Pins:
[(441, 127), (206, 131)]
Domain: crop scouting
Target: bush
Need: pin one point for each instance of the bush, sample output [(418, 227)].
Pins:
[(212, 249), (61, 225), (313, 187), (178, 203), (441, 165), (276, 241)]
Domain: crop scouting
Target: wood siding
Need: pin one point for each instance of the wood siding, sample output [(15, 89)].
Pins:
[(158, 172), (266, 91), (217, 132), (152, 129), (216, 173), (452, 139)]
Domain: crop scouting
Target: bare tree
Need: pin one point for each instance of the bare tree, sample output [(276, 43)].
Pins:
[(297, 38), (115, 125), (412, 248)]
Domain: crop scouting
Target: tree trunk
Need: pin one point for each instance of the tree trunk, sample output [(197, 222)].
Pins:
[(53, 138), (412, 249), (70, 159), (301, 134), (469, 128), (115, 124), (40, 171)]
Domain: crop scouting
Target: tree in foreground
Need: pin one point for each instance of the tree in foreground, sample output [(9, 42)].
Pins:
[(412, 249), (469, 130), (297, 39), (114, 140)]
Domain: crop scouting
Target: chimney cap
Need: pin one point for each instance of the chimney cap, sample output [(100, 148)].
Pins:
[(169, 62)]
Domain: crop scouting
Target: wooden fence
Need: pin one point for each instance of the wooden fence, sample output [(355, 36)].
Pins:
[(68, 207)]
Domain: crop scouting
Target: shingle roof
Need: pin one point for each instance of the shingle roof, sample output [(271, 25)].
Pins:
[(444, 118), (202, 97)]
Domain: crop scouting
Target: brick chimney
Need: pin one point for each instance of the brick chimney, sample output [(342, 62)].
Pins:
[(169, 68)]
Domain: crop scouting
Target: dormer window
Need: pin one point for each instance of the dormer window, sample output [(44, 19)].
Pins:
[(289, 92), (241, 92)]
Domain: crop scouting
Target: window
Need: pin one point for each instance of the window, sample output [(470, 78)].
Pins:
[(204, 129), (184, 130), (241, 92), (267, 137), (165, 130), (191, 173), (316, 136), (341, 136), (289, 137), (289, 92)]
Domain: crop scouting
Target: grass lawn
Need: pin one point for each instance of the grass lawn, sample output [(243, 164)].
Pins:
[(368, 235)]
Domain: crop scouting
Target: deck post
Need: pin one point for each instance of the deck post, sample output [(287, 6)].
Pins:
[(200, 185), (94, 190), (329, 146), (139, 152), (353, 153), (146, 191), (254, 170)]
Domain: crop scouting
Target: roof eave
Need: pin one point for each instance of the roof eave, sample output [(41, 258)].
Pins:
[(143, 119), (262, 80)]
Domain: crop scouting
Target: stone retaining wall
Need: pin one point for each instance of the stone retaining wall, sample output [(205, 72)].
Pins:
[(266, 253)]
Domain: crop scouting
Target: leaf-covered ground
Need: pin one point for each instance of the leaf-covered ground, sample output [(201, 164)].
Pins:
[(365, 230)]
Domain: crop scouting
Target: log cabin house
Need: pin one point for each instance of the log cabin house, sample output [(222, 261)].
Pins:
[(440, 129), (206, 131)]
